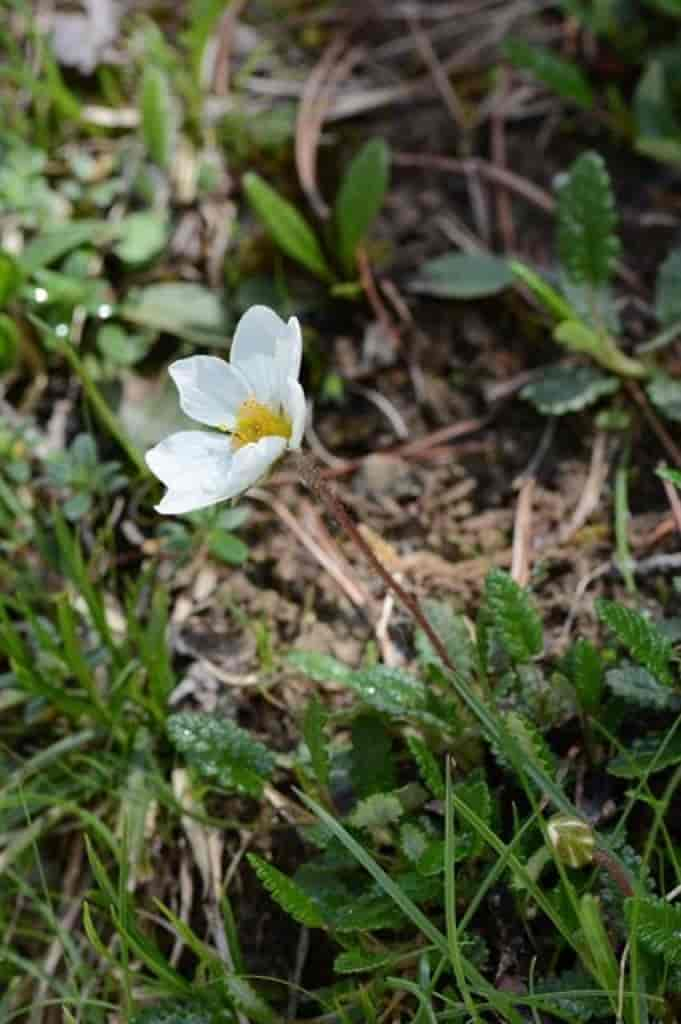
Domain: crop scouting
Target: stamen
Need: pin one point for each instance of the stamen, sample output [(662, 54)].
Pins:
[(255, 421)]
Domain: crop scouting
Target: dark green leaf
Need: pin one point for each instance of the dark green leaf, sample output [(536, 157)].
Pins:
[(372, 765), (360, 198), (286, 893), (514, 616), (644, 641), (353, 961), (462, 275), (313, 733), (173, 1012), (586, 672), (557, 390), (638, 686), (428, 766), (454, 633), (645, 756), (286, 225), (221, 751), (587, 218), (658, 926), (563, 76)]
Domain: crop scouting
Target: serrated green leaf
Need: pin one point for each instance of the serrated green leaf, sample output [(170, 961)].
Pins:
[(372, 764), (665, 394), (391, 690), (287, 893), (321, 668), (477, 797), (514, 617), (314, 723), (287, 226), (221, 751), (587, 674), (587, 244), (429, 768), (636, 685), (646, 756), (530, 741), (367, 913), (668, 288), (454, 633), (158, 116), (413, 842), (174, 1012), (377, 811), (645, 642), (573, 996), (245, 998), (558, 390), (462, 275), (355, 961), (360, 198), (658, 926), (563, 76)]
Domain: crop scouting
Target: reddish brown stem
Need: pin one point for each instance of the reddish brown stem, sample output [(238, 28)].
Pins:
[(313, 479), (615, 870)]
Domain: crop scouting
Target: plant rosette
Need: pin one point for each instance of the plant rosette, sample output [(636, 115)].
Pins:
[(255, 403)]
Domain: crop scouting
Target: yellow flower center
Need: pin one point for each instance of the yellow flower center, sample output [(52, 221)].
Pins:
[(255, 421)]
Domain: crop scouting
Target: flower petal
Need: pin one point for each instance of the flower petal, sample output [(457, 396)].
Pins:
[(256, 334), (195, 466), (253, 461), (260, 332), (290, 350), (293, 401), (210, 390), (262, 376)]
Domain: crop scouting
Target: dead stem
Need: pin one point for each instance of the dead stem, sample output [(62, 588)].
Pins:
[(312, 477)]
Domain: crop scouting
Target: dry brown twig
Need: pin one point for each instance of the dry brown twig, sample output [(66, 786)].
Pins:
[(522, 533), (316, 98)]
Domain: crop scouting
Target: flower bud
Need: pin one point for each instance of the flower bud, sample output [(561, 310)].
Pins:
[(572, 840)]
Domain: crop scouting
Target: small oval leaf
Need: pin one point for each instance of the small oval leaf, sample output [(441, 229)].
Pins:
[(288, 228)]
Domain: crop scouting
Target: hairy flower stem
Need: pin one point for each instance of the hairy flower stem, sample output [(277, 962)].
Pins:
[(310, 475), (606, 861)]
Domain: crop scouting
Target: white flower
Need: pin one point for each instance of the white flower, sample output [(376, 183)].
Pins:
[(255, 400)]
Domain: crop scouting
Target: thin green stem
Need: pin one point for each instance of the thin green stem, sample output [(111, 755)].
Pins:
[(107, 418)]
